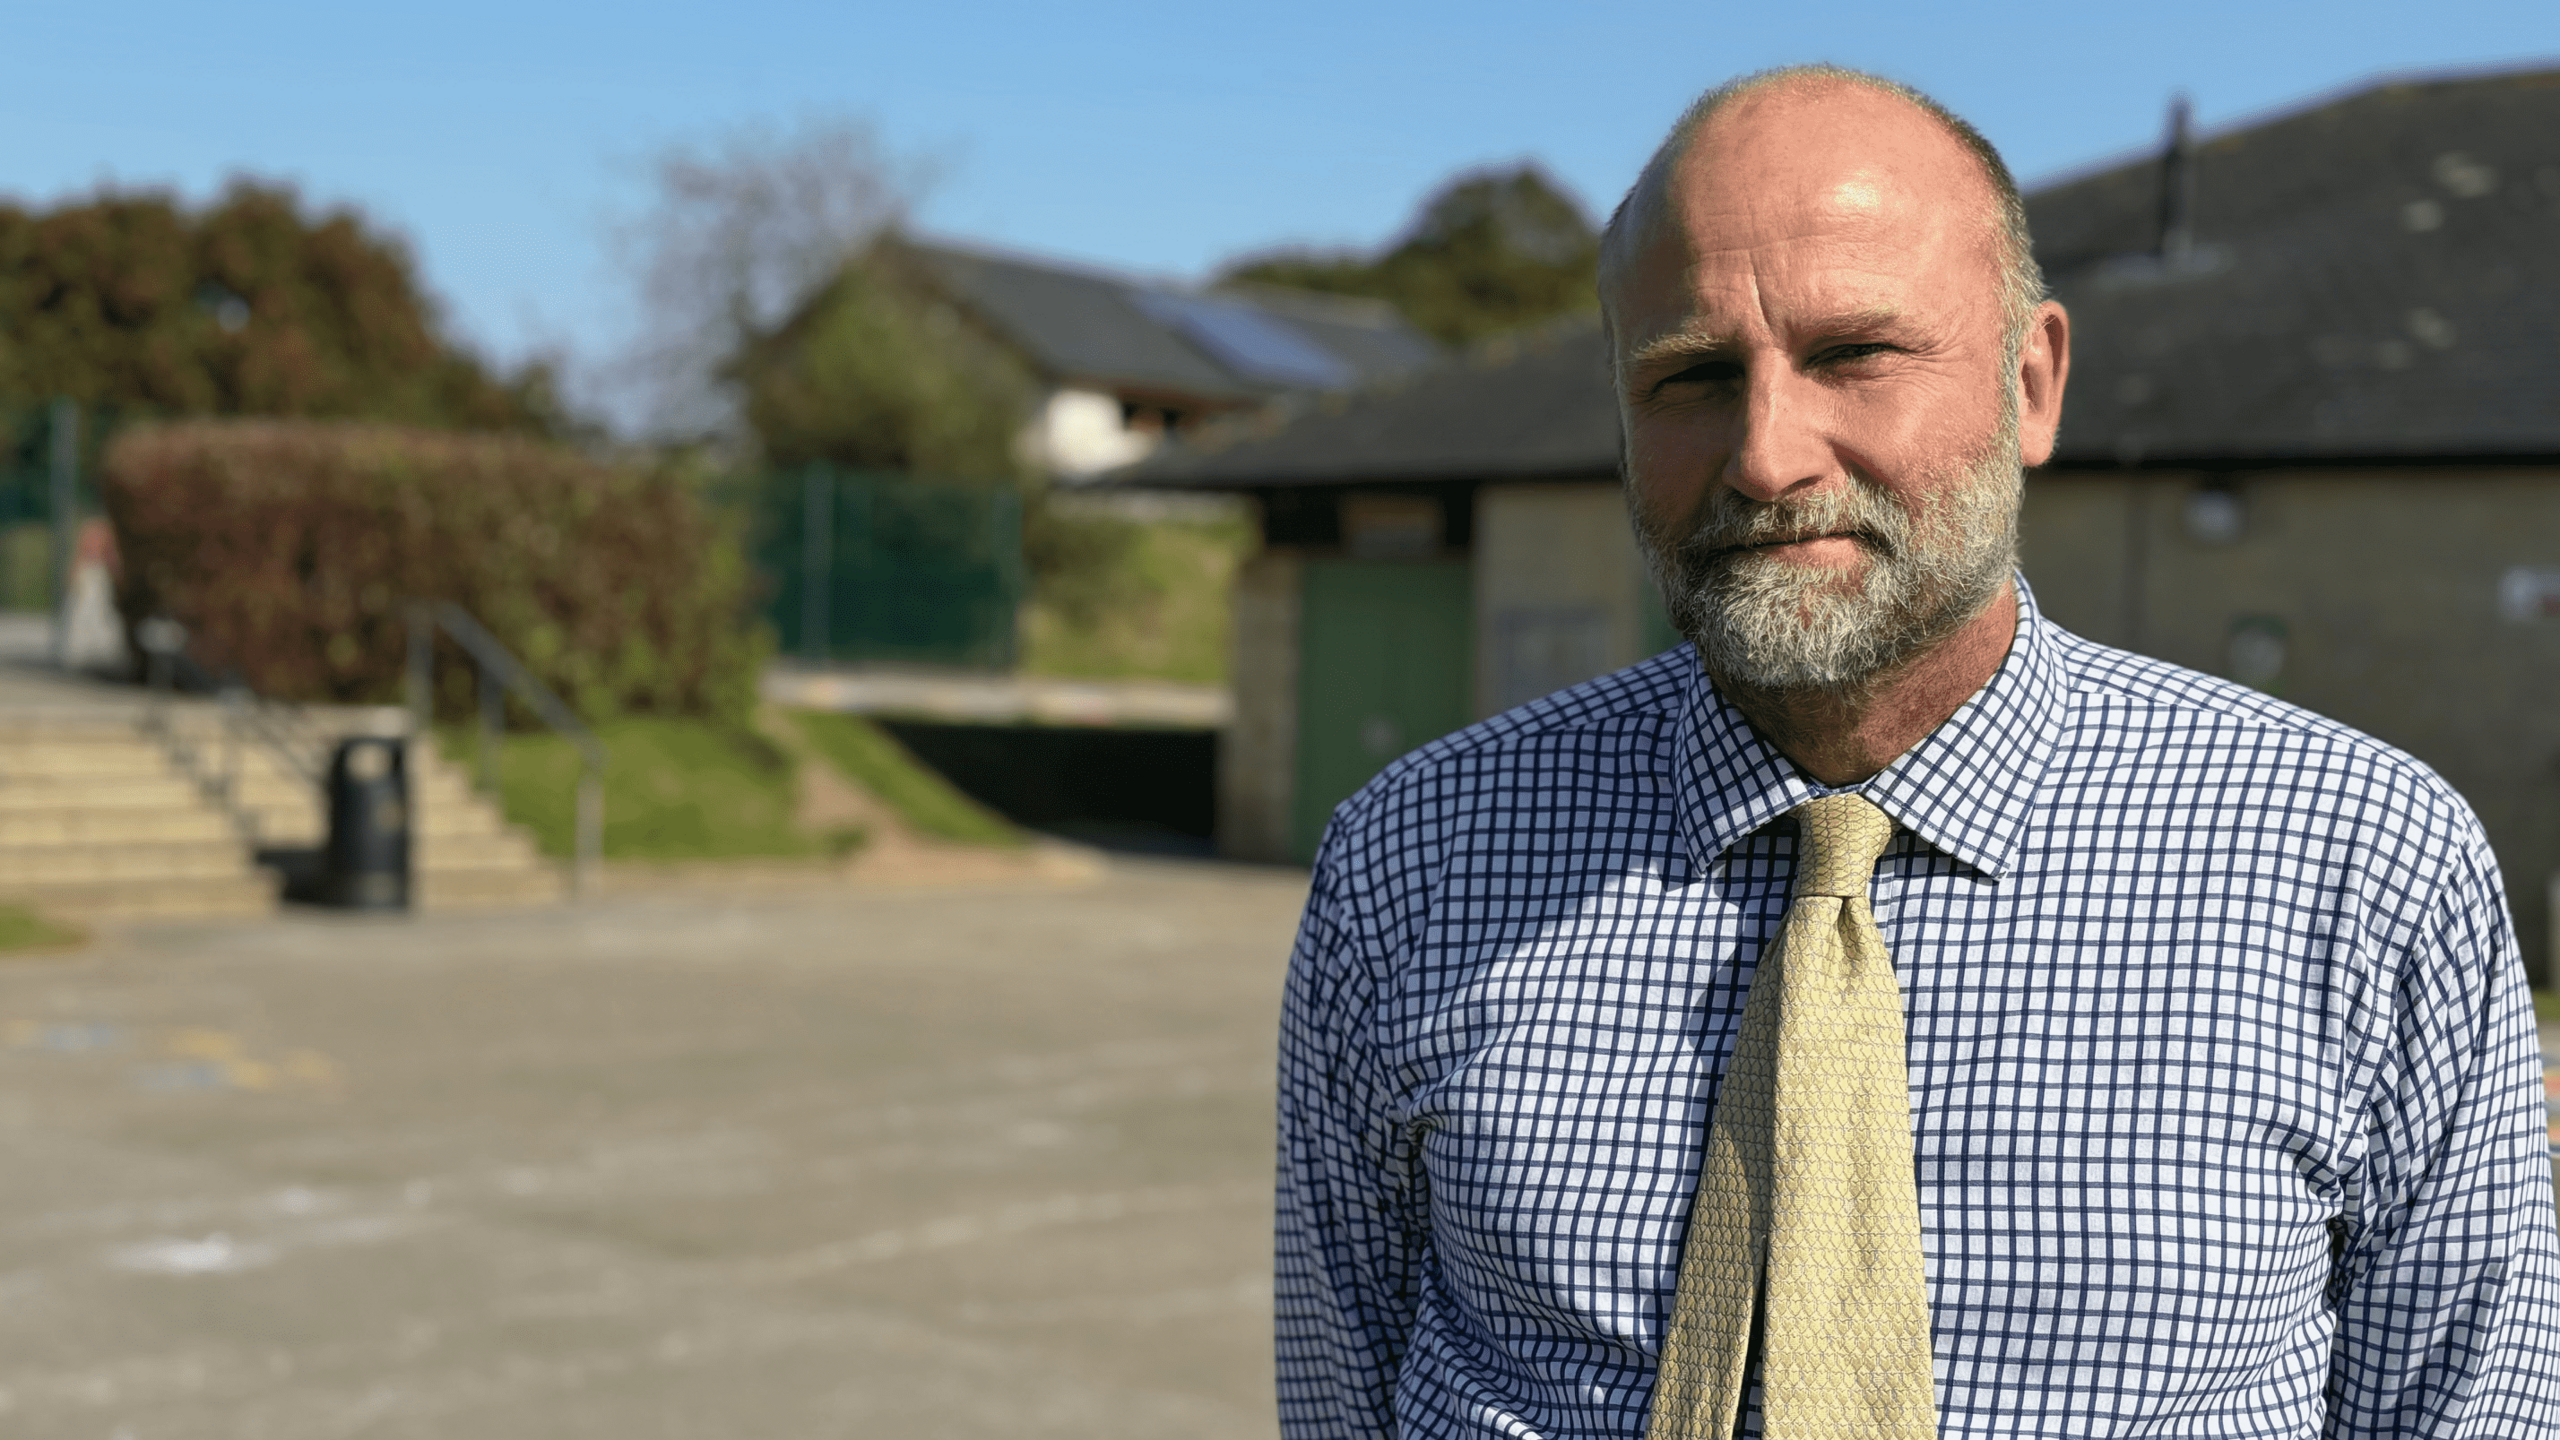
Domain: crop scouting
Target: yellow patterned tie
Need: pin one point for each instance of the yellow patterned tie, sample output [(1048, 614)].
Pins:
[(1806, 1210)]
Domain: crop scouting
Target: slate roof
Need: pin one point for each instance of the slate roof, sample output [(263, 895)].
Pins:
[(1535, 406), (2372, 277), (1123, 333)]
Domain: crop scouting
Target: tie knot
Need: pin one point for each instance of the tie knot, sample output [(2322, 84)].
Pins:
[(1838, 838)]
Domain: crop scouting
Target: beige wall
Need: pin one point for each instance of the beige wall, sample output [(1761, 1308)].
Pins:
[(1258, 754), (2384, 587), (1557, 587)]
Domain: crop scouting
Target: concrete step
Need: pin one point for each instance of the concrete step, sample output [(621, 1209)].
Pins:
[(252, 893), (67, 759), (27, 727), (280, 824), (163, 791), (277, 827), (246, 750), (442, 825), (461, 822), (86, 864), (289, 795), (504, 850), (489, 889), (96, 825), (444, 786), (282, 792), (436, 820)]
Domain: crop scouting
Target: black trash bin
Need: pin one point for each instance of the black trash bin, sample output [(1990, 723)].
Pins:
[(367, 865)]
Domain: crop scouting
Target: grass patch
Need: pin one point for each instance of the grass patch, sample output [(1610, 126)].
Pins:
[(866, 755), (689, 789), (24, 929), (1150, 601), (673, 790), (2546, 1006)]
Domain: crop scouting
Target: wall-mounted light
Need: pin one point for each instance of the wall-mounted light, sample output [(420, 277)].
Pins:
[(2214, 514), (2255, 651)]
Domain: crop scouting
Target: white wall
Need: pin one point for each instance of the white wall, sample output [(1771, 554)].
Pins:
[(1079, 432)]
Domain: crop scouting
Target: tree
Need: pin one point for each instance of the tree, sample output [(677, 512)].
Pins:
[(789, 321), (743, 232), (251, 306), (786, 319), (1490, 251), (876, 371)]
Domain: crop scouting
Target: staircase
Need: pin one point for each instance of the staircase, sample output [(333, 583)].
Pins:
[(95, 822), (100, 820), (463, 854)]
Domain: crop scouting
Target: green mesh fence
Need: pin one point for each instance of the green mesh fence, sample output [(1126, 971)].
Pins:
[(867, 566), (26, 495)]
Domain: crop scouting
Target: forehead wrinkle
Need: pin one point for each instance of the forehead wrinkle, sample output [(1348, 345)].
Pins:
[(1869, 206), (1699, 341), (1761, 229)]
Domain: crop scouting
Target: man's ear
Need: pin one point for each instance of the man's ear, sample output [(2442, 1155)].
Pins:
[(2044, 364)]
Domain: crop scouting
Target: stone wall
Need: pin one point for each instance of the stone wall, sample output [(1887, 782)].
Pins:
[(1258, 755)]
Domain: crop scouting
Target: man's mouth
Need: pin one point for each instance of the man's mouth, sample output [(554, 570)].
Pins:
[(1859, 538)]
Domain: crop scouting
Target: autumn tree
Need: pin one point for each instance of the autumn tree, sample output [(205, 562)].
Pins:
[(253, 305)]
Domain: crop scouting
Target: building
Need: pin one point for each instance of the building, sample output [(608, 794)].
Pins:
[(1124, 361), (869, 566), (2311, 442)]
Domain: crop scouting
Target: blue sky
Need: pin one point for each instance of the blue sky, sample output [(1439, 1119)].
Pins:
[(503, 139)]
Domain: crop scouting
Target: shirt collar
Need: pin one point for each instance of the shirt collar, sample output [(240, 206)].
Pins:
[(1966, 788)]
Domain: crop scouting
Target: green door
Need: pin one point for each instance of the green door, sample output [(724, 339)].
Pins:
[(1385, 662)]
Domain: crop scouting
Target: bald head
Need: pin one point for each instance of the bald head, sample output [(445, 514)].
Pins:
[(1775, 126)]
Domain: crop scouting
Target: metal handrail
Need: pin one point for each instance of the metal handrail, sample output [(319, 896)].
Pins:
[(499, 672), (278, 728)]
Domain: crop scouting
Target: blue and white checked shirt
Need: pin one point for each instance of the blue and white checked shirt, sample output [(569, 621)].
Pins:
[(2224, 1089)]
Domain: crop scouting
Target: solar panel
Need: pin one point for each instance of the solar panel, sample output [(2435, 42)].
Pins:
[(1249, 341)]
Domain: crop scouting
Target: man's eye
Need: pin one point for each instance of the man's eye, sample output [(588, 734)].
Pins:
[(1850, 354), (1716, 373)]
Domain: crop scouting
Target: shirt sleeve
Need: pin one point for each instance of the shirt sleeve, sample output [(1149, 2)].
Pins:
[(1349, 1243), (2449, 1306)]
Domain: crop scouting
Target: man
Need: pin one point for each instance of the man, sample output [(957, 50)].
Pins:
[(1890, 1014)]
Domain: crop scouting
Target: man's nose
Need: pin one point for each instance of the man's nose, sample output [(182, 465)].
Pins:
[(1782, 446)]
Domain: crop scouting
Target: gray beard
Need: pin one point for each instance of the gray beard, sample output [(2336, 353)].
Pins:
[(1763, 624)]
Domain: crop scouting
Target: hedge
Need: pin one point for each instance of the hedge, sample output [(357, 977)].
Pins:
[(288, 549)]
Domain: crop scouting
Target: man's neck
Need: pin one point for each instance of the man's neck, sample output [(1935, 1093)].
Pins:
[(1841, 739)]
